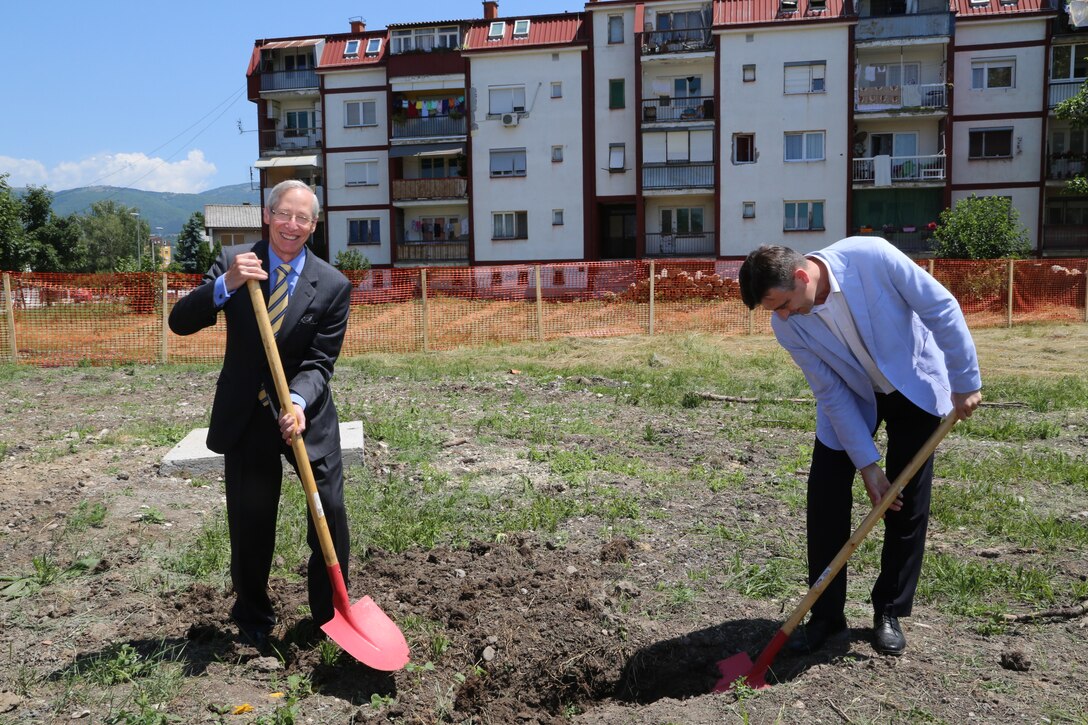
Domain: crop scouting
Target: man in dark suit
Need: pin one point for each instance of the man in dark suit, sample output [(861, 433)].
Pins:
[(878, 339), (308, 306)]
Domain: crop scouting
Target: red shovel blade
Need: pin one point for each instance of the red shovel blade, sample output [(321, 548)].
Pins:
[(368, 634), (738, 667)]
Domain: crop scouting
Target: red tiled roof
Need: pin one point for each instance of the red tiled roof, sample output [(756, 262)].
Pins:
[(966, 9), (544, 30), (745, 12), (333, 55)]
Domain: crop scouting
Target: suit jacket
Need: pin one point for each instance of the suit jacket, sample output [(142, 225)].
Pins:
[(309, 342), (912, 327)]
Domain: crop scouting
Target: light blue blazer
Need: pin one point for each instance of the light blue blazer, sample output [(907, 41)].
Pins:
[(912, 327)]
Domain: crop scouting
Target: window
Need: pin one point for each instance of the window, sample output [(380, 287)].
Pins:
[(360, 113), (299, 124), (990, 143), (682, 26), (748, 73), (433, 228), (803, 215), (1069, 62), (805, 146), (890, 75), (364, 231), (351, 50), (995, 73), (228, 240), (508, 162), (683, 220), (449, 37), (361, 173), (557, 154), (788, 6), (817, 5), (510, 225), (617, 157), (748, 210), (296, 62), (437, 167), (521, 28), (804, 77), (744, 148), (401, 41), (557, 89), (615, 28), (616, 93), (506, 99), (678, 147), (557, 217), (495, 32), (374, 46)]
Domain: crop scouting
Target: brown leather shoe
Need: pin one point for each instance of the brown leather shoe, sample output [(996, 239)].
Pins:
[(888, 636)]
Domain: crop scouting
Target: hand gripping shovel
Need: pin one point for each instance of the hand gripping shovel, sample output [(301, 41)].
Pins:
[(740, 666), (364, 631)]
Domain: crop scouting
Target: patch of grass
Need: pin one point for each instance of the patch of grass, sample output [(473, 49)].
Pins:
[(1040, 393), (46, 572), (406, 428), (158, 433), (1009, 428), (769, 580), (993, 509), (977, 589), (1009, 466), (86, 515), (206, 557)]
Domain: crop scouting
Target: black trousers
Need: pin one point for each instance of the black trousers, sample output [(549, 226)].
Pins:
[(254, 474), (830, 498)]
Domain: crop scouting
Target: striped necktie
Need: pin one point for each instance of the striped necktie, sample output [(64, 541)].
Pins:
[(277, 308)]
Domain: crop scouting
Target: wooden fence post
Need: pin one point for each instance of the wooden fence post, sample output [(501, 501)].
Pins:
[(751, 321), (423, 289), (1011, 269), (9, 315), (930, 265), (651, 297), (539, 307), (165, 320)]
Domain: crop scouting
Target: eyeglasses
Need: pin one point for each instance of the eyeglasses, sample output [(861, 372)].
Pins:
[(286, 216)]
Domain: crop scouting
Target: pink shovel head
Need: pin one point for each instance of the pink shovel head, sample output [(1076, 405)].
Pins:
[(368, 634), (738, 667)]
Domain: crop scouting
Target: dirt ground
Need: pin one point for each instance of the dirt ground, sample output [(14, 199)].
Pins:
[(570, 626)]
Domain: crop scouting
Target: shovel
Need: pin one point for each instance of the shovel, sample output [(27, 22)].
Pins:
[(364, 631), (740, 666)]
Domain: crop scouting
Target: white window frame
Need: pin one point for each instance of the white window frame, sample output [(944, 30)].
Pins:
[(688, 212), (370, 223), (613, 21), (809, 75), (496, 30), (505, 99), (980, 73), (521, 28), (1074, 54), (557, 89), (617, 158), (747, 210), (448, 36), (807, 207), (351, 49), (748, 73), (557, 217), (557, 154), (505, 225), (373, 46), (511, 163), (401, 41), (450, 225), (752, 148), (361, 113), (805, 136), (297, 131), (369, 175)]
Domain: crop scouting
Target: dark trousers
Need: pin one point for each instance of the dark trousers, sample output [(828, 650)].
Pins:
[(254, 473), (830, 483)]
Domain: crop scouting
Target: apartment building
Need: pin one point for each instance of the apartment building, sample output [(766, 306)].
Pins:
[(667, 128)]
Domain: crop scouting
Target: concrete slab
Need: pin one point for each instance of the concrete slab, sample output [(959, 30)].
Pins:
[(191, 458)]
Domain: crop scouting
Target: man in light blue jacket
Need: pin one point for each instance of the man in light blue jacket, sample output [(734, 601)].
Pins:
[(878, 339)]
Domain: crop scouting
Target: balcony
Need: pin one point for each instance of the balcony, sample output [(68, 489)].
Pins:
[(289, 80), (665, 42), (429, 189), (665, 109), (1066, 165), (1061, 240), (889, 170), (443, 251), (936, 25), (291, 140), (1062, 91), (678, 176), (693, 244), (926, 96), (430, 127)]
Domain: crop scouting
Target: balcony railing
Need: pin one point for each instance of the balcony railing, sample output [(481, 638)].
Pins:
[(665, 109), (1062, 91), (678, 176), (1066, 165), (921, 25), (688, 244), (288, 80), (689, 40), (429, 127), (454, 188), (291, 139), (443, 250), (890, 98), (1060, 238), (886, 170)]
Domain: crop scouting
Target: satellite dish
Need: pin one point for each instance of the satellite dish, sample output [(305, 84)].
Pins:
[(1078, 13)]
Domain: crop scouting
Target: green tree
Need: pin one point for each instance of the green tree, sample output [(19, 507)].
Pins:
[(192, 253), (351, 259), (56, 243), (981, 227), (1075, 110), (113, 233), (16, 251)]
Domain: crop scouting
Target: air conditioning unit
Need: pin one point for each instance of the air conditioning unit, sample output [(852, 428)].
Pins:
[(509, 119)]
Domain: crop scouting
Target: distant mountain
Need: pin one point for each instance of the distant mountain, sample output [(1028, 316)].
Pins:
[(158, 208)]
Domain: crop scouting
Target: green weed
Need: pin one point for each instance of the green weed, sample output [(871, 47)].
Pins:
[(86, 515)]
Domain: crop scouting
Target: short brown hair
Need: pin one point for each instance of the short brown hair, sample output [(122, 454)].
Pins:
[(769, 267)]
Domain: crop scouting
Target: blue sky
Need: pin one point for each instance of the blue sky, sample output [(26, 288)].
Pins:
[(148, 95)]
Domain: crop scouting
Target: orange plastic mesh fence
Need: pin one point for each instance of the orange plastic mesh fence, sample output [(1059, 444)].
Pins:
[(120, 318)]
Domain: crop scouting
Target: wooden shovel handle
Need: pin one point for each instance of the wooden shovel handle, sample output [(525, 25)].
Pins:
[(302, 460)]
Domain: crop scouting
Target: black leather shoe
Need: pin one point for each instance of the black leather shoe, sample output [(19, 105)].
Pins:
[(888, 636), (257, 638), (814, 635)]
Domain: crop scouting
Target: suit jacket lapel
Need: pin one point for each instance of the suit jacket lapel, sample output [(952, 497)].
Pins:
[(858, 302)]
